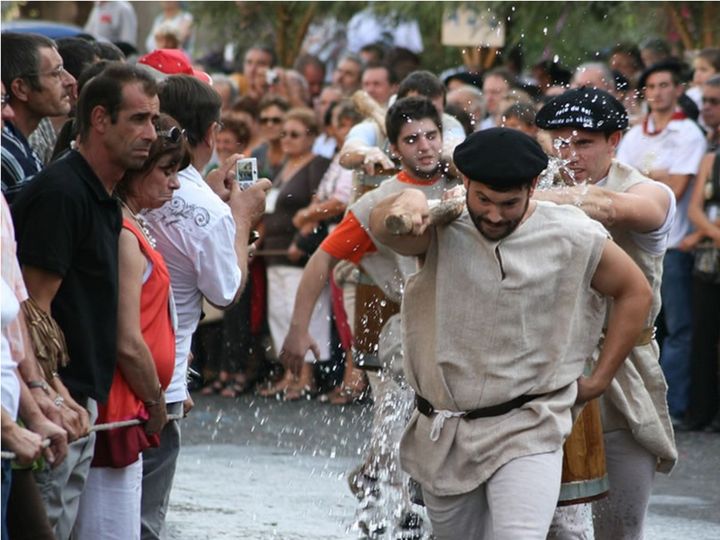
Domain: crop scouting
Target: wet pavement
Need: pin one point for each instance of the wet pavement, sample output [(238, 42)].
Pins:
[(258, 469)]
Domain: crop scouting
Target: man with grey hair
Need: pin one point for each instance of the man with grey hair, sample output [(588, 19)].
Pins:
[(471, 100), (595, 75), (38, 86), (711, 111), (347, 74)]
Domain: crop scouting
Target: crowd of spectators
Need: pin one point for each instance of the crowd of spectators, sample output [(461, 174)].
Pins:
[(128, 226)]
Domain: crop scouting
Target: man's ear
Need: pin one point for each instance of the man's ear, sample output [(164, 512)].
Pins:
[(20, 89), (99, 119), (394, 153), (207, 138), (614, 139)]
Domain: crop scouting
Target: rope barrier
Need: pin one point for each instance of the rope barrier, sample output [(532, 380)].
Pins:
[(96, 428)]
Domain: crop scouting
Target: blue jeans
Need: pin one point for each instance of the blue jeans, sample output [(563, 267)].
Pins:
[(676, 291), (6, 476)]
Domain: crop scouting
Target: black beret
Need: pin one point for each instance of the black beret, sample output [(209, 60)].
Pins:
[(584, 108), (502, 158), (673, 65)]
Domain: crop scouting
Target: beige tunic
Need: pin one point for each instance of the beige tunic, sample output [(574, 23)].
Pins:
[(387, 269), (636, 399), (474, 339)]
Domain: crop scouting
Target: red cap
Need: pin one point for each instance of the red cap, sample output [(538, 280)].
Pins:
[(172, 62)]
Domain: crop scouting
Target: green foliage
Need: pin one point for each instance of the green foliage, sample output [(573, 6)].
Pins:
[(574, 31)]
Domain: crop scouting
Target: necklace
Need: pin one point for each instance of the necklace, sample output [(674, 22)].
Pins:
[(142, 224)]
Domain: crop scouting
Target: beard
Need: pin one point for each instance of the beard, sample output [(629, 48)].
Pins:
[(495, 231)]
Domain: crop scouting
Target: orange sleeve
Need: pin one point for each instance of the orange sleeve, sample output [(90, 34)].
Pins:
[(348, 241)]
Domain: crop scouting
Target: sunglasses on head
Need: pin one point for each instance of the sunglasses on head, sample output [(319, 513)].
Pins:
[(271, 120), (173, 134)]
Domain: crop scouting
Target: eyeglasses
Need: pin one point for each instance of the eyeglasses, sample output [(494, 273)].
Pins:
[(293, 134), (711, 101), (174, 134), (271, 120), (56, 73), (5, 100)]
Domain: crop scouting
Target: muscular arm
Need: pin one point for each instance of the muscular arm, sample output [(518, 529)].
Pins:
[(619, 278), (298, 341), (643, 208), (134, 358), (409, 202)]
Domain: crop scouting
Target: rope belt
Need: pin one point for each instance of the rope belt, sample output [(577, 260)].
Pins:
[(426, 408)]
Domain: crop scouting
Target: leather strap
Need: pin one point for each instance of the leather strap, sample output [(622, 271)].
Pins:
[(426, 408)]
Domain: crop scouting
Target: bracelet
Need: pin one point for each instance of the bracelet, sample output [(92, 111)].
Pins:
[(39, 384), (157, 401)]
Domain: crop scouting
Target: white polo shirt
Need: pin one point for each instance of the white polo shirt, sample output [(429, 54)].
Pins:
[(679, 148), (195, 234)]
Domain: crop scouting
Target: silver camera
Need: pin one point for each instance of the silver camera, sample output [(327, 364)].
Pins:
[(246, 172)]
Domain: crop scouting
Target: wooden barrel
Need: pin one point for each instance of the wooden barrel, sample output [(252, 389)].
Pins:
[(372, 311), (584, 475)]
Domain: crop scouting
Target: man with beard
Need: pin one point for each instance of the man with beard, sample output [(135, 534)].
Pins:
[(415, 134), (67, 227), (498, 323)]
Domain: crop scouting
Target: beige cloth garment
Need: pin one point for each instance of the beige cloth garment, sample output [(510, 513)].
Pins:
[(485, 322), (387, 269), (636, 399)]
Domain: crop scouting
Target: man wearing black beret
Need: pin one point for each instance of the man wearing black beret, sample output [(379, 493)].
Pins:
[(586, 125), (507, 305)]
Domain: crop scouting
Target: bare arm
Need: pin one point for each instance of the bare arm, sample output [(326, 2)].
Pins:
[(134, 358), (619, 278), (677, 182), (298, 341), (42, 286), (696, 211), (356, 154), (318, 211), (643, 208), (409, 202)]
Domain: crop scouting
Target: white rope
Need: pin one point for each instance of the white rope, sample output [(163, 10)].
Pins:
[(439, 422), (98, 427)]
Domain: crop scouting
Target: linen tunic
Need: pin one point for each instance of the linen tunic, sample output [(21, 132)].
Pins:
[(488, 321), (635, 400)]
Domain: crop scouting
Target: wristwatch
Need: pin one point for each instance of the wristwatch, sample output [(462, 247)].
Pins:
[(39, 384)]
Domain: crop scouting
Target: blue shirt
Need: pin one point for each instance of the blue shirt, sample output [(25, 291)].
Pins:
[(19, 161)]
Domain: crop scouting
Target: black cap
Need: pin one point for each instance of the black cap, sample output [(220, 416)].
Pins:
[(501, 158), (672, 65), (584, 108)]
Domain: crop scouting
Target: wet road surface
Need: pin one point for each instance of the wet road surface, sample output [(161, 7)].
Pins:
[(259, 469)]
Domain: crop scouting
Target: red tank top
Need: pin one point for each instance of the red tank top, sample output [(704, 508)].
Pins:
[(121, 447)]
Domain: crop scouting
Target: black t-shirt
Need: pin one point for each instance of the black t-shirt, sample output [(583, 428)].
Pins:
[(67, 224)]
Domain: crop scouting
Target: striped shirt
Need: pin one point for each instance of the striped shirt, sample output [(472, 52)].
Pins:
[(19, 161)]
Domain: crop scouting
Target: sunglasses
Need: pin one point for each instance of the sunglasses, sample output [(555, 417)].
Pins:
[(174, 134), (271, 120), (711, 101), (293, 134)]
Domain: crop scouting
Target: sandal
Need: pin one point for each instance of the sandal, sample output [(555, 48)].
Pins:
[(233, 389), (296, 393), (213, 387), (279, 387), (348, 395)]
